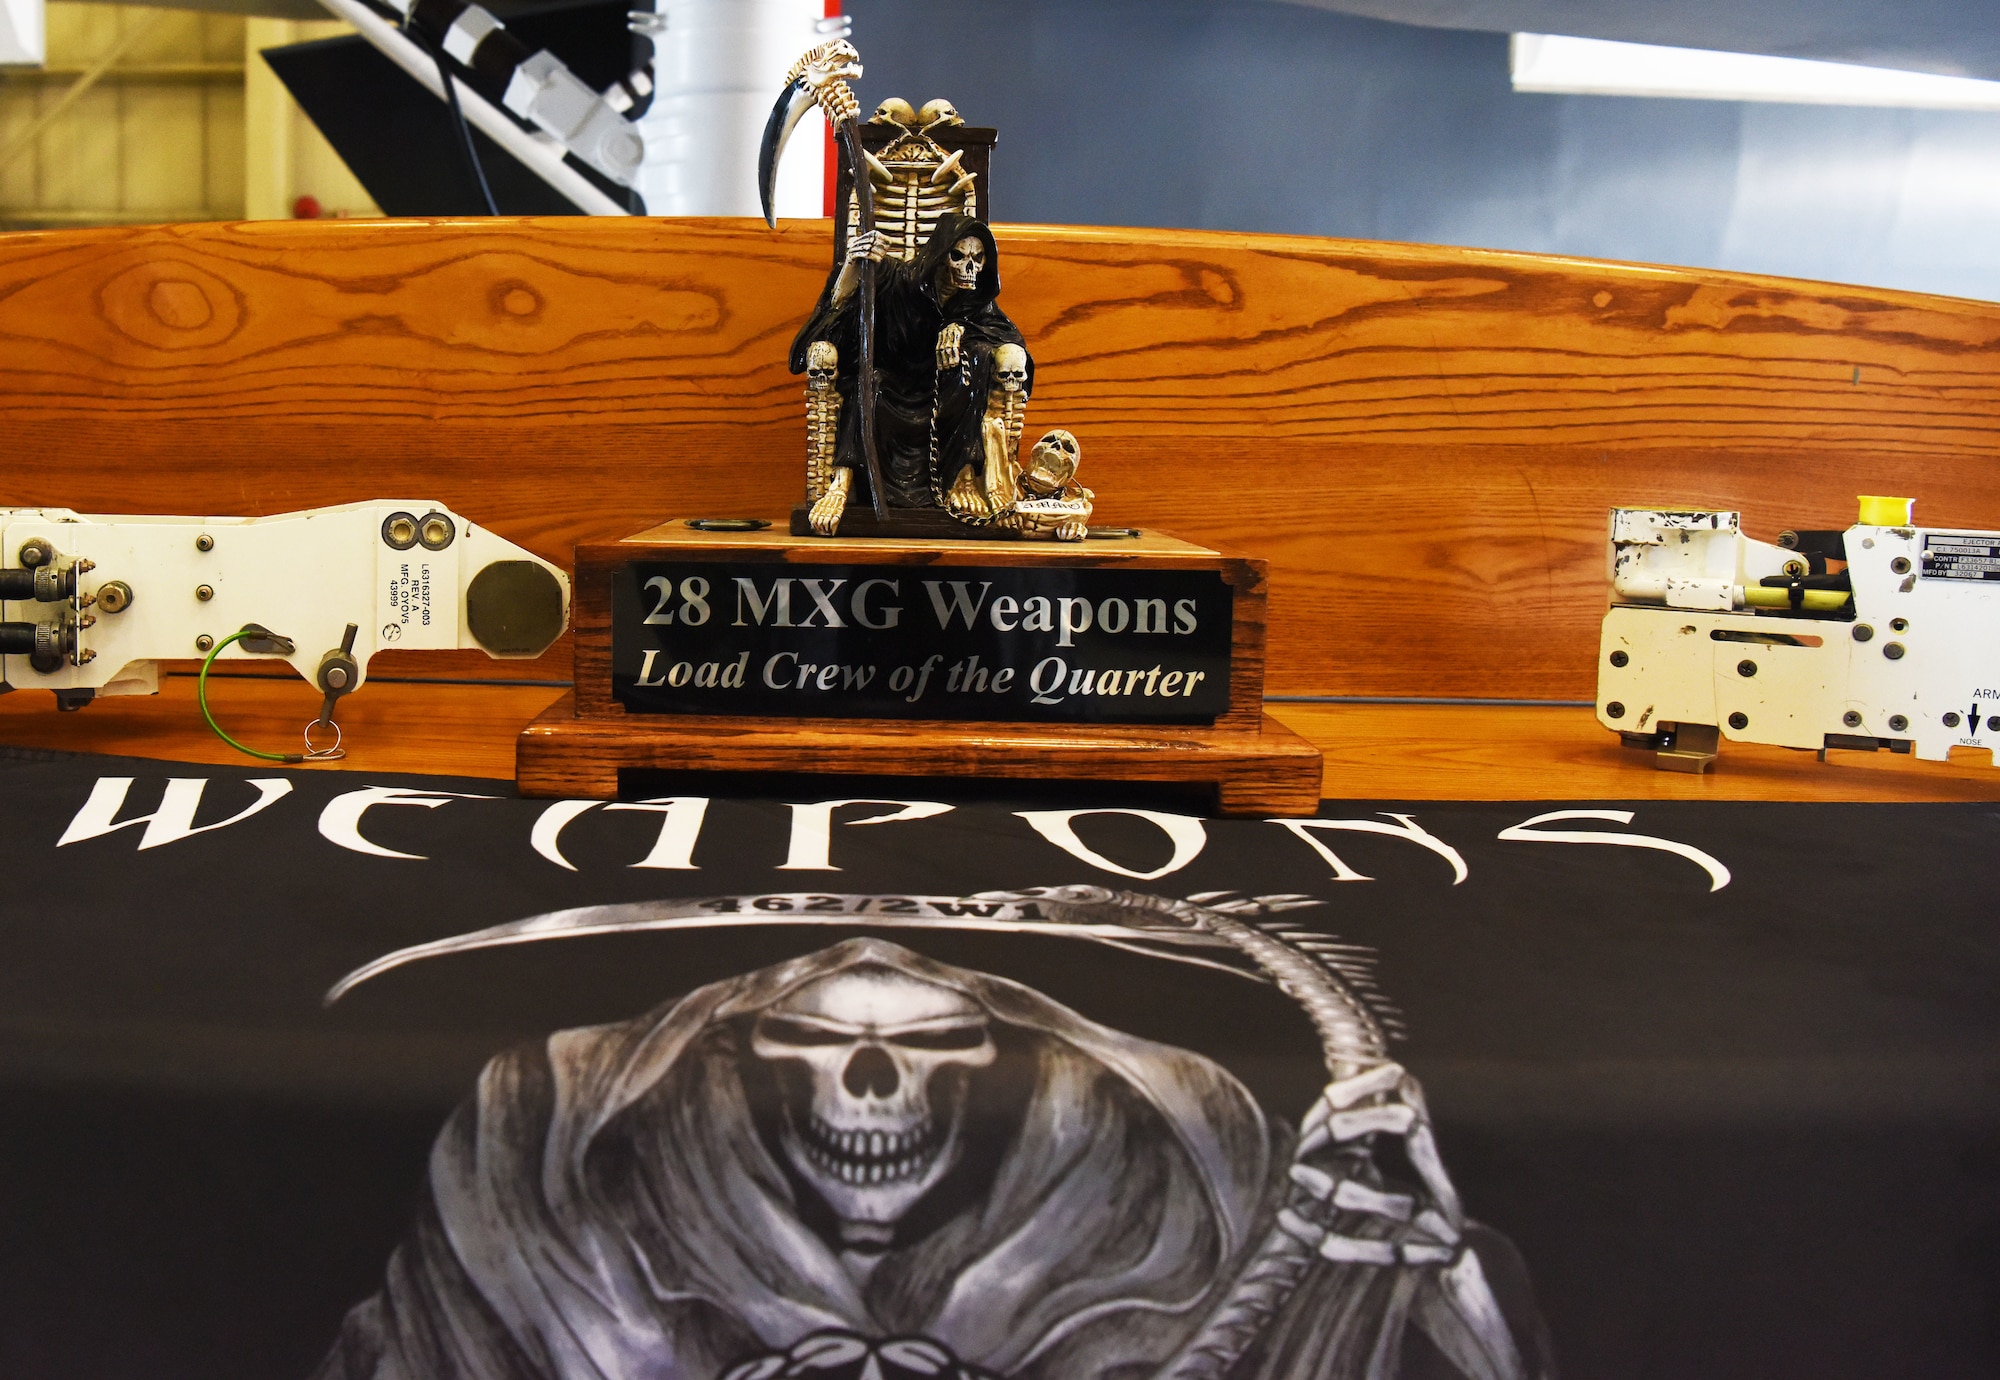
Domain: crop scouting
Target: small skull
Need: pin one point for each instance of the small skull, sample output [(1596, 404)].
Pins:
[(1010, 368), (894, 111), (1053, 463), (937, 112), (822, 362), (966, 262), (874, 1065)]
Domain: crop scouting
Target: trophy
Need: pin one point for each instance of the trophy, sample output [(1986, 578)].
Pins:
[(939, 603)]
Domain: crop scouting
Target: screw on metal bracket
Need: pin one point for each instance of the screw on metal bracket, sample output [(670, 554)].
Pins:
[(1739, 720)]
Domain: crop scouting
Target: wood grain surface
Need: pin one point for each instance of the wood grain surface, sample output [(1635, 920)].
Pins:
[(1372, 751), (1422, 442), (1267, 770)]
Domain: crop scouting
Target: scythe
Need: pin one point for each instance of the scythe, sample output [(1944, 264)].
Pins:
[(820, 78)]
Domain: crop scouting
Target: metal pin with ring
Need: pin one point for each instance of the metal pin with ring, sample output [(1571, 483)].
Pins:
[(338, 675)]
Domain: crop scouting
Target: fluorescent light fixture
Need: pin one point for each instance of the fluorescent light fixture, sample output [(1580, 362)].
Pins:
[(1599, 67), (23, 41)]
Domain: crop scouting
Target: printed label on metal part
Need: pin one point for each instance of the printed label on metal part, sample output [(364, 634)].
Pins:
[(1961, 556), (1005, 643)]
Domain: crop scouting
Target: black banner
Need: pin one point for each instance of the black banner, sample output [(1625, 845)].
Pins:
[(1060, 644), (321, 1073)]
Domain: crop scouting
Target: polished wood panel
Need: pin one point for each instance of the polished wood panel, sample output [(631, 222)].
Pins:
[(1560, 752), (1422, 442), (1372, 751)]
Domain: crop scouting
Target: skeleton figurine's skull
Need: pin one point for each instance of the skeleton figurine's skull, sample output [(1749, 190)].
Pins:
[(1010, 368), (822, 363), (873, 1067), (938, 112), (1053, 463), (965, 263), (894, 111)]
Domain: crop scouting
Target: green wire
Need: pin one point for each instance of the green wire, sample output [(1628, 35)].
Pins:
[(201, 698)]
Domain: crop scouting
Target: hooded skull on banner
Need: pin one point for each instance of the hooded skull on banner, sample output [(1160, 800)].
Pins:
[(862, 1162)]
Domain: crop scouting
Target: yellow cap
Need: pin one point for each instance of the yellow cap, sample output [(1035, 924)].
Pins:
[(1877, 511)]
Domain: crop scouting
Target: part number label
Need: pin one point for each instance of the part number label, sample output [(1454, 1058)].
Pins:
[(1961, 556)]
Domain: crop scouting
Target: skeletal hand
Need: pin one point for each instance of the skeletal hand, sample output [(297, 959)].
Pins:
[(1420, 1229), (869, 245), (950, 339), (1072, 529)]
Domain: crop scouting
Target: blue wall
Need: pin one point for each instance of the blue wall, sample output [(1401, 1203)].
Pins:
[(1273, 117)]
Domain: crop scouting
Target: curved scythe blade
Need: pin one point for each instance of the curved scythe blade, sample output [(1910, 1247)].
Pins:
[(793, 103)]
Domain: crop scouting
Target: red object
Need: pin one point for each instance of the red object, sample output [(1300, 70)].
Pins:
[(832, 149), (307, 208)]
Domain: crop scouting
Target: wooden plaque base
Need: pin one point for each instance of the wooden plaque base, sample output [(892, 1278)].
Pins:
[(580, 744)]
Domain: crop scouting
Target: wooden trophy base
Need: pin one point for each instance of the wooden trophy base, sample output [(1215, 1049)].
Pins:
[(1272, 771), (579, 747)]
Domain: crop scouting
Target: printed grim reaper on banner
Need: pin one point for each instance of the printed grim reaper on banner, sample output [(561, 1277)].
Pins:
[(862, 1162)]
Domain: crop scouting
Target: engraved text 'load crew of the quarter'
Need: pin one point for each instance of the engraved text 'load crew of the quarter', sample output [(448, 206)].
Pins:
[(939, 603)]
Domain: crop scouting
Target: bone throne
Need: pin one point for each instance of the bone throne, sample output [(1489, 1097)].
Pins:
[(923, 164)]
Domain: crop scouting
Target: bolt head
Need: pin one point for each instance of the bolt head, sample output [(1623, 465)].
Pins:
[(336, 678), (1619, 659), (204, 643), (1614, 710), (1893, 650), (204, 592), (1739, 720), (1746, 669), (1901, 565), (1897, 723), (1852, 718), (1863, 633), (204, 542), (1951, 720)]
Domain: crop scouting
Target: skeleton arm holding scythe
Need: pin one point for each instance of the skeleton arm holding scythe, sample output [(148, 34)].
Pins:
[(820, 78)]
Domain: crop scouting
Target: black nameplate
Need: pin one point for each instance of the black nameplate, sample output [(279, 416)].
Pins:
[(1029, 644)]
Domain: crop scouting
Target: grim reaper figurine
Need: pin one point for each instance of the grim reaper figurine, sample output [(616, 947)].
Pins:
[(917, 384), (865, 1164)]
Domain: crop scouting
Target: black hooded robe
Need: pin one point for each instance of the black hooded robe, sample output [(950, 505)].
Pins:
[(908, 318), (604, 1208)]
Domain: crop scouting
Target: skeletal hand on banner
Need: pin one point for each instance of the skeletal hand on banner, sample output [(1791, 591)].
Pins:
[(1393, 1228)]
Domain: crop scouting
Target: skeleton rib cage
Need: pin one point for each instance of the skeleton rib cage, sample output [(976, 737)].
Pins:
[(909, 201)]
